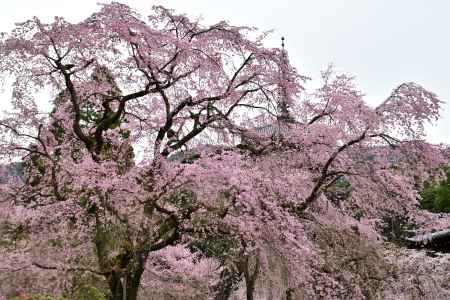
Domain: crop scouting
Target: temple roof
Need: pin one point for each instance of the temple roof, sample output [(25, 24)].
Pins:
[(439, 240)]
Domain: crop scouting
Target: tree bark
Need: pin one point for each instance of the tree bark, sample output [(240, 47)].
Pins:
[(250, 277), (131, 279), (128, 265), (228, 278)]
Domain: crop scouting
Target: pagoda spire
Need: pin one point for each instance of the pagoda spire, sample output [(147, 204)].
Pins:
[(283, 107)]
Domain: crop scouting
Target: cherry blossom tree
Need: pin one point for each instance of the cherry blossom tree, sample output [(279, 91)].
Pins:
[(119, 80), (130, 93)]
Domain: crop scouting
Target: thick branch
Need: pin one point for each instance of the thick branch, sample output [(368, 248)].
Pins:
[(324, 175), (70, 269)]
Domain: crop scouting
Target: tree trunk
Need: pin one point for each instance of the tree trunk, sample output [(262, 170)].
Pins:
[(250, 288), (125, 268), (289, 294), (250, 277), (126, 287), (133, 282), (227, 284), (115, 287)]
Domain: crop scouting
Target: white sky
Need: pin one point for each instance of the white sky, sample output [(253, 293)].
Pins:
[(382, 42)]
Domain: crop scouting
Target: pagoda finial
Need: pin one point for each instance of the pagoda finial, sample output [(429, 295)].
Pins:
[(282, 43)]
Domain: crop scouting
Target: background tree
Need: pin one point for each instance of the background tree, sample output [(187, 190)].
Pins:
[(436, 196)]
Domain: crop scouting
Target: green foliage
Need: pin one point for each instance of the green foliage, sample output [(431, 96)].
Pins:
[(183, 198), (91, 208), (91, 142), (38, 163), (342, 183), (339, 191), (38, 297), (89, 113), (436, 197), (358, 214), (56, 243), (82, 292), (11, 234), (88, 292), (125, 134), (216, 245), (395, 227), (58, 132)]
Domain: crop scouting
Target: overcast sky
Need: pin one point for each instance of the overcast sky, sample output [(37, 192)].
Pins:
[(382, 42)]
